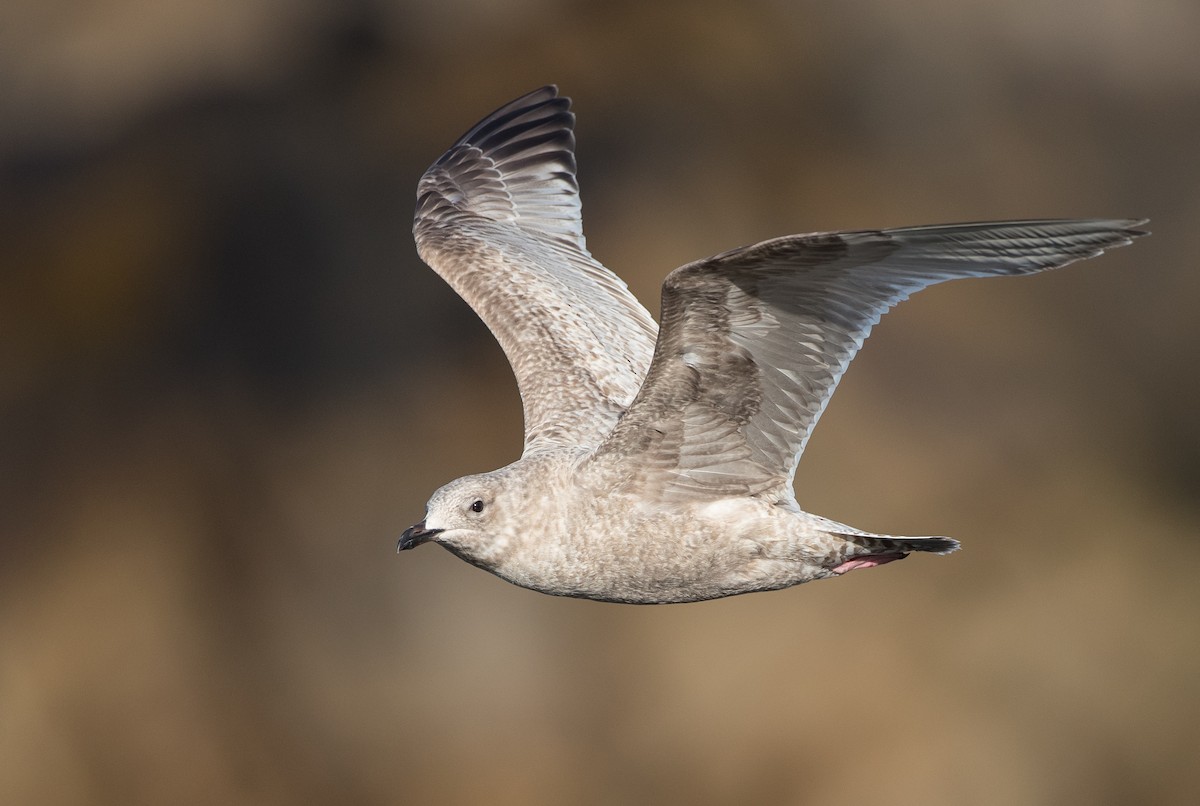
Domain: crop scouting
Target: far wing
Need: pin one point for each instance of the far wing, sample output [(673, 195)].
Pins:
[(754, 341), (498, 217)]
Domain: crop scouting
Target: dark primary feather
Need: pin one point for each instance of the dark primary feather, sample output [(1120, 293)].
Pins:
[(516, 165), (754, 341)]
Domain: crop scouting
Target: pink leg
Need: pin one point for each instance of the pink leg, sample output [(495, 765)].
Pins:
[(868, 562)]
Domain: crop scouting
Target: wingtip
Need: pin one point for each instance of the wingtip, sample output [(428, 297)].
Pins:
[(1132, 227), (1127, 231), (1126, 226), (544, 93), (543, 98), (1117, 233), (1113, 232)]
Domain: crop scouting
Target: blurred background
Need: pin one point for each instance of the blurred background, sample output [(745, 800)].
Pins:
[(227, 383)]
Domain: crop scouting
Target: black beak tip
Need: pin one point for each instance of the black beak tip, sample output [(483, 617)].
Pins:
[(414, 536)]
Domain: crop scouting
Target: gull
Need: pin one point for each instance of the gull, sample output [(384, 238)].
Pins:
[(658, 460)]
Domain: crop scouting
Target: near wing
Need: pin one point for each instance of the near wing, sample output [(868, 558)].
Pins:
[(498, 217), (754, 341)]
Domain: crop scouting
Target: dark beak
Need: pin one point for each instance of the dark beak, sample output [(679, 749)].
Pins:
[(416, 535)]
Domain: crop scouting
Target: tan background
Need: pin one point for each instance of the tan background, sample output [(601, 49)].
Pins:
[(227, 384)]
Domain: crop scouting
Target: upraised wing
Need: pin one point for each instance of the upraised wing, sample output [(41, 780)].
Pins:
[(498, 217), (754, 341)]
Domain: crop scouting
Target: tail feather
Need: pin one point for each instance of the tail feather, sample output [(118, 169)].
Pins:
[(882, 544)]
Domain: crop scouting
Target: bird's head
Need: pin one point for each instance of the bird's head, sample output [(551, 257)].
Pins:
[(468, 517)]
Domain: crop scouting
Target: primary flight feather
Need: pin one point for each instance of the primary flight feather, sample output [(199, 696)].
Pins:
[(658, 462)]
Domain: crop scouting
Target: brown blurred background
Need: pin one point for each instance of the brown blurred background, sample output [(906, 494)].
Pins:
[(227, 384)]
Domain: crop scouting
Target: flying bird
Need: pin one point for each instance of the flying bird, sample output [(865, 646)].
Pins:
[(658, 460)]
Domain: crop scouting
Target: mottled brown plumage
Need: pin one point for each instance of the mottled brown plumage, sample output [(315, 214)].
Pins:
[(658, 465)]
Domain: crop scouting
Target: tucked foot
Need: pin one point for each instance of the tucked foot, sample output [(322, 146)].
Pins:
[(868, 562)]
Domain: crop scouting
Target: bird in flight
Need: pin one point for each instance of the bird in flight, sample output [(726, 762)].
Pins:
[(658, 460)]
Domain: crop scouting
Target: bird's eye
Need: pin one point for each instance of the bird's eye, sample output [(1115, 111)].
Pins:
[(477, 505)]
